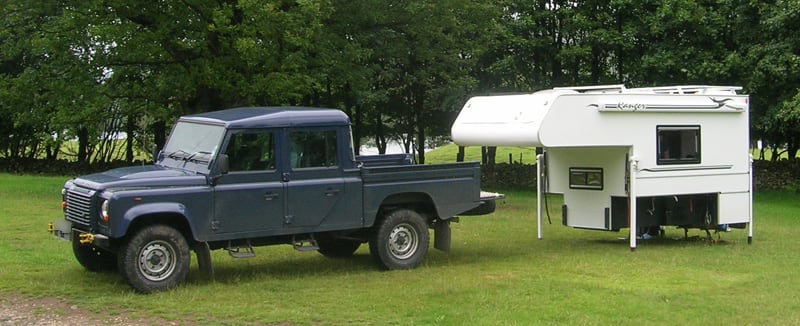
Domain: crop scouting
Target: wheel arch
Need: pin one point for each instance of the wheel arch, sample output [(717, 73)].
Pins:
[(420, 202), (168, 215)]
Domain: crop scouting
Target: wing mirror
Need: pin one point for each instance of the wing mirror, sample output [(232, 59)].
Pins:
[(223, 163)]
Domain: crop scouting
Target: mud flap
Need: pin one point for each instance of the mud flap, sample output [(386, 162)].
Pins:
[(204, 259), (441, 235)]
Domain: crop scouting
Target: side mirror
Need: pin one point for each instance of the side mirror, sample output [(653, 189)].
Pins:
[(156, 152), (223, 163)]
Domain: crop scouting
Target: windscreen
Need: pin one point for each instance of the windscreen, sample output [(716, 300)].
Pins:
[(193, 143)]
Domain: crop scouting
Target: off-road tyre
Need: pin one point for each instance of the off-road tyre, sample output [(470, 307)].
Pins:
[(92, 258), (400, 240), (156, 258)]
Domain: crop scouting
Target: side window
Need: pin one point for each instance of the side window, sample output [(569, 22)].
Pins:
[(678, 144), (311, 149), (586, 178), (251, 151)]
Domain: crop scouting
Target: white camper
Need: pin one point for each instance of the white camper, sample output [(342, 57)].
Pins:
[(668, 156)]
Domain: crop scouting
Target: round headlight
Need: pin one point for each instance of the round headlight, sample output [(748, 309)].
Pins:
[(104, 210)]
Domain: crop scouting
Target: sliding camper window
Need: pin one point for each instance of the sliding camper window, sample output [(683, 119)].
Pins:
[(586, 178), (678, 144)]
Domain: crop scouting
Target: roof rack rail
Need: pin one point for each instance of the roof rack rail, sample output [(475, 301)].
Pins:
[(619, 88), (689, 89)]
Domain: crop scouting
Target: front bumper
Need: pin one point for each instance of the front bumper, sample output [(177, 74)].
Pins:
[(63, 230)]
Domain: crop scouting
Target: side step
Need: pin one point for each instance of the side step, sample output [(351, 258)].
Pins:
[(241, 252), (309, 244)]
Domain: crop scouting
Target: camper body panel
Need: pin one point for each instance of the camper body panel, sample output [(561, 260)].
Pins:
[(669, 155)]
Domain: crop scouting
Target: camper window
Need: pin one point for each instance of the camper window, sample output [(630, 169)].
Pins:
[(678, 144), (586, 178)]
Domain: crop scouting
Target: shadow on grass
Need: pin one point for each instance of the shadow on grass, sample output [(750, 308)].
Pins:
[(293, 266), (671, 241), (280, 264)]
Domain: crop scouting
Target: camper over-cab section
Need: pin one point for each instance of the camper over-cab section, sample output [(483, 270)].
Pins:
[(680, 151)]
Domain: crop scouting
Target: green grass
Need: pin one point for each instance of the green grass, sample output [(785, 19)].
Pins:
[(447, 153), (498, 272)]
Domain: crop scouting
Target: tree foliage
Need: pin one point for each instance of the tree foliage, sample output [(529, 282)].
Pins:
[(90, 70)]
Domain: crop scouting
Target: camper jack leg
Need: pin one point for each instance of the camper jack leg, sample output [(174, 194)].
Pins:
[(634, 165)]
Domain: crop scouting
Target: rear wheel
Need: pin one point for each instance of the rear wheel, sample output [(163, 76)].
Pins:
[(93, 258), (400, 241), (154, 259)]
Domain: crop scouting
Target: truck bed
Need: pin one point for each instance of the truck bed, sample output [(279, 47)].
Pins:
[(452, 188)]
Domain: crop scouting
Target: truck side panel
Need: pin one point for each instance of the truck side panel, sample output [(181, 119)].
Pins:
[(450, 188)]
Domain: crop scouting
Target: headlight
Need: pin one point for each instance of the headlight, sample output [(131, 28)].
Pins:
[(64, 199), (104, 211)]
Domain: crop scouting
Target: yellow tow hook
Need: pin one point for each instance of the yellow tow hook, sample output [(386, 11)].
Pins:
[(86, 238)]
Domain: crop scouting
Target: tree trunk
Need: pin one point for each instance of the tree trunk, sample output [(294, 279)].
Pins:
[(491, 154), (159, 135), (83, 144), (420, 144), (129, 131), (380, 138)]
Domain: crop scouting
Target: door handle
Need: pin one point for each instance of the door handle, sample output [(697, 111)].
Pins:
[(331, 192), (270, 196)]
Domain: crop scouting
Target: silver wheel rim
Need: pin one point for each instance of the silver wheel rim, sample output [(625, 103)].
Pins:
[(403, 241), (157, 260)]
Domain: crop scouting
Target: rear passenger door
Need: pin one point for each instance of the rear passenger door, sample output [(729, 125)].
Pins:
[(314, 178)]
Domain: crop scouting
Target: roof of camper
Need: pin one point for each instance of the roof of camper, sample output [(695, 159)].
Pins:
[(519, 120), (677, 90)]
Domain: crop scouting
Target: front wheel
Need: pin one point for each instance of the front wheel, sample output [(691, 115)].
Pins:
[(154, 259), (400, 241), (92, 258)]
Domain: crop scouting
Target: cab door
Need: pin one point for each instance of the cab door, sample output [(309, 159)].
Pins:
[(250, 199)]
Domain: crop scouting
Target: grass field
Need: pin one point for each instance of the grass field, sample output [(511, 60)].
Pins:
[(496, 273), (447, 153)]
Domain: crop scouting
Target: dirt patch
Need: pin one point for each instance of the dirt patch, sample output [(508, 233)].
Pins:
[(15, 310)]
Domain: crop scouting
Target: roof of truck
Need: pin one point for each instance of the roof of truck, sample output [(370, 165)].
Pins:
[(262, 117)]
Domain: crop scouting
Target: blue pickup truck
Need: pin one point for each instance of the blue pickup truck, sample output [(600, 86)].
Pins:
[(246, 177)]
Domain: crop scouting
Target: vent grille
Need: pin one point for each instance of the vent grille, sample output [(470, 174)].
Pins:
[(79, 206)]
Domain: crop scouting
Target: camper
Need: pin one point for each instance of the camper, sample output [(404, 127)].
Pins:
[(636, 158)]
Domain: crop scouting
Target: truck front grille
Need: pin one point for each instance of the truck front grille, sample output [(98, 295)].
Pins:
[(79, 206)]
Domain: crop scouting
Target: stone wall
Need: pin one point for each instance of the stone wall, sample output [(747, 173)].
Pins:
[(779, 175)]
